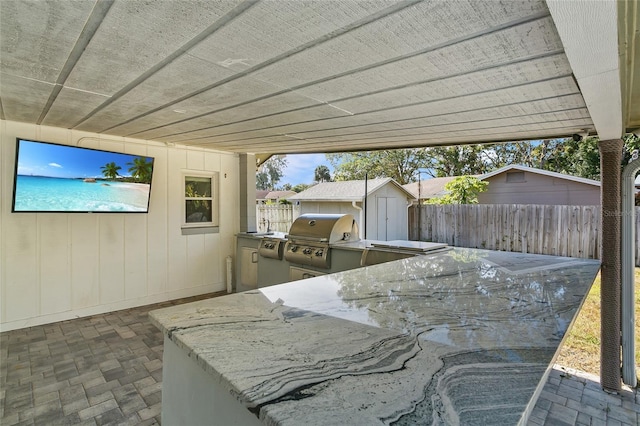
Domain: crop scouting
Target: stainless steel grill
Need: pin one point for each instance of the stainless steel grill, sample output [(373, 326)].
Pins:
[(311, 234)]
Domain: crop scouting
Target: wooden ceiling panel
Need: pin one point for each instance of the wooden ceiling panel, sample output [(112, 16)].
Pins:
[(286, 77)]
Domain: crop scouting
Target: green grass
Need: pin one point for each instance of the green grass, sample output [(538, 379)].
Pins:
[(581, 349)]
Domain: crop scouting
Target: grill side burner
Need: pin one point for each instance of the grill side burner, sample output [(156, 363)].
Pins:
[(310, 235), (271, 248)]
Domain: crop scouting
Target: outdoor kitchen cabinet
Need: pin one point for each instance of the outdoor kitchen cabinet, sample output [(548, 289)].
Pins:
[(296, 273), (247, 263), (249, 269)]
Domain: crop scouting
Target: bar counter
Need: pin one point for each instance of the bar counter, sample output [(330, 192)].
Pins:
[(464, 336)]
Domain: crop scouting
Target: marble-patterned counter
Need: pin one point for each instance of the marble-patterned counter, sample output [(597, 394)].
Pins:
[(458, 337), (261, 235)]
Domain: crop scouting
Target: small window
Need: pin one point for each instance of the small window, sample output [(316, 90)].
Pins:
[(200, 200), (513, 177)]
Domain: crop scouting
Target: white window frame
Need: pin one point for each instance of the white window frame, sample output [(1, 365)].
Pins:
[(215, 199)]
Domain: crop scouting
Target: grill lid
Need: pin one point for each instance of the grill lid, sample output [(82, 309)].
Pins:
[(326, 228)]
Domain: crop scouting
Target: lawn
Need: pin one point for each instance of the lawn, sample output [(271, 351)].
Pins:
[(581, 349)]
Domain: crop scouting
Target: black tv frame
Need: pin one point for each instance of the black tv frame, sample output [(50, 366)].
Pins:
[(15, 180)]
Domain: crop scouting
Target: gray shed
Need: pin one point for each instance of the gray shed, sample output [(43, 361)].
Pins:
[(515, 184), (386, 205)]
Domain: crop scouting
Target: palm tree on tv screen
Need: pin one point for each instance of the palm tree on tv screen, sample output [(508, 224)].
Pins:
[(110, 170), (141, 170)]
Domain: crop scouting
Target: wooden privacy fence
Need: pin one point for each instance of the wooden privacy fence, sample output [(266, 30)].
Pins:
[(542, 229), (278, 217)]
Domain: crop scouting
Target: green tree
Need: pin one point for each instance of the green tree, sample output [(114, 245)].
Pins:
[(631, 144), (579, 158), (572, 157), (270, 172), (322, 174), (461, 190), (456, 160), (524, 153), (141, 170), (301, 187), (110, 170), (400, 164)]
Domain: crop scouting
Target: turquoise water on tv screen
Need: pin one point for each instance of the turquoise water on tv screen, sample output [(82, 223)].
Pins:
[(35, 193)]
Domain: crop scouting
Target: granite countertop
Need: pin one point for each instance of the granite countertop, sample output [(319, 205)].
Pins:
[(464, 336), (261, 235), (357, 245)]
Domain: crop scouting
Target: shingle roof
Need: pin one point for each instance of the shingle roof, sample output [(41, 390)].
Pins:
[(429, 188), (277, 195), (261, 194), (350, 190), (540, 172)]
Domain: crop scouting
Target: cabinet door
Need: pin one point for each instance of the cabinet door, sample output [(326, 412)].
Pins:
[(249, 267), (296, 273)]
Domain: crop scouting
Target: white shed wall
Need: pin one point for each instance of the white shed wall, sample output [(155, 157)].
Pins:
[(393, 226), (57, 266), (378, 227)]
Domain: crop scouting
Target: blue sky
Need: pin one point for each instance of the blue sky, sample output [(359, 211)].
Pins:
[(301, 167), (44, 159)]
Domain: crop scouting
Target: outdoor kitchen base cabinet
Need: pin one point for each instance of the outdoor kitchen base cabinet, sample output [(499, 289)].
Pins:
[(296, 273), (191, 396), (249, 271)]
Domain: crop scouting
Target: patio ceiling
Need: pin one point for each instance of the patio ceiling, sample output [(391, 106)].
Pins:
[(320, 76)]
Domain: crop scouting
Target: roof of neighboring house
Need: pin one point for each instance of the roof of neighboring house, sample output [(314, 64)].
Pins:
[(429, 188), (348, 190), (540, 172), (261, 194), (278, 195)]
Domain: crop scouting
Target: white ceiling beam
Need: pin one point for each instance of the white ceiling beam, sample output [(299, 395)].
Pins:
[(589, 34)]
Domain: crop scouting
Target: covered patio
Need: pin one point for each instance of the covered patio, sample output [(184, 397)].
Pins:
[(219, 87)]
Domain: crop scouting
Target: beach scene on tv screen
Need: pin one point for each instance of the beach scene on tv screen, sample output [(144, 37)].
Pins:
[(60, 178)]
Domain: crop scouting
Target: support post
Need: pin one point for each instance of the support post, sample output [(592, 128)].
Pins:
[(247, 192), (610, 272)]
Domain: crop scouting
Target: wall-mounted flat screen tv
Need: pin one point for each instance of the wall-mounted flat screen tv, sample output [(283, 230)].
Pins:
[(70, 179)]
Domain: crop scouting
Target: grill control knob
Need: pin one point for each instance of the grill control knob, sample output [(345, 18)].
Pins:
[(294, 249), (319, 253), (307, 250)]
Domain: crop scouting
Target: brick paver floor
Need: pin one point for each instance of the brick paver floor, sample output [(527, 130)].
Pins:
[(107, 369), (572, 397)]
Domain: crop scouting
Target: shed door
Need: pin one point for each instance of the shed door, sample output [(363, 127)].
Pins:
[(387, 219)]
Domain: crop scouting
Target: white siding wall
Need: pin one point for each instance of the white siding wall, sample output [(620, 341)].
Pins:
[(56, 266)]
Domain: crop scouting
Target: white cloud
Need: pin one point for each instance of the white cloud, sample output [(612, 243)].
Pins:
[(56, 165)]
